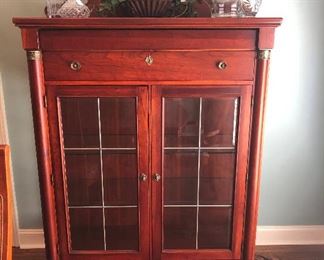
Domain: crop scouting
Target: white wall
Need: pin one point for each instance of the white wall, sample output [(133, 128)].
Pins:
[(18, 109), (293, 172)]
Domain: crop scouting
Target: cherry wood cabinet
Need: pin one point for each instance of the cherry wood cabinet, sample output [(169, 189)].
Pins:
[(149, 134)]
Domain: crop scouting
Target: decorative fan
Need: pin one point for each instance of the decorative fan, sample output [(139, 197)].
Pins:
[(249, 7), (149, 7)]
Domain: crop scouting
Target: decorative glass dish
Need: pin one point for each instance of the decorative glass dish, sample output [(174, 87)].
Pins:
[(224, 8), (67, 8)]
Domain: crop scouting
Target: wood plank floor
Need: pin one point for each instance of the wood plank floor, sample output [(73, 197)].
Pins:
[(263, 253)]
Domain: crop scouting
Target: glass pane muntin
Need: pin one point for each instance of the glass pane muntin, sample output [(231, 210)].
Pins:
[(102, 150), (227, 146)]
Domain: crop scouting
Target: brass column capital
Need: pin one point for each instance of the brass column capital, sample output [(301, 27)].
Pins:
[(34, 55), (264, 54)]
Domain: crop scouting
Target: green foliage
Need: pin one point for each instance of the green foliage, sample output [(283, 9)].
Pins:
[(109, 5)]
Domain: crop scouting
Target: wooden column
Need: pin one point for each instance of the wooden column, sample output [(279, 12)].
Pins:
[(37, 87), (255, 163)]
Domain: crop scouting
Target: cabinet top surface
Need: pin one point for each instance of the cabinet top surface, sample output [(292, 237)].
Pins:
[(152, 23)]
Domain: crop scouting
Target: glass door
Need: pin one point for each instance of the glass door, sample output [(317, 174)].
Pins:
[(199, 170), (99, 144)]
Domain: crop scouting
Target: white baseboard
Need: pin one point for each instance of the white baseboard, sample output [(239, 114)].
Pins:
[(266, 235), (31, 238), (290, 235)]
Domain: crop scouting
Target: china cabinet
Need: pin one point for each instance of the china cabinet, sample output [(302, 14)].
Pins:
[(149, 134)]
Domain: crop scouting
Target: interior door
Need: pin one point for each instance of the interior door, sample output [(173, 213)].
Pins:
[(99, 143), (200, 141)]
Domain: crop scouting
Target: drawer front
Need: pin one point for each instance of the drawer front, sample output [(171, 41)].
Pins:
[(149, 66), (108, 40)]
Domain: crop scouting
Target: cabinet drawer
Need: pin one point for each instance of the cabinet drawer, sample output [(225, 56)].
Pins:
[(149, 39), (149, 66)]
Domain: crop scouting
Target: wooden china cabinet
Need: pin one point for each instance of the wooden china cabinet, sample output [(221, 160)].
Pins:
[(149, 134)]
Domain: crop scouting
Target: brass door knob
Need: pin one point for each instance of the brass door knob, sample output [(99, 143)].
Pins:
[(156, 177), (143, 177), (75, 65), (222, 65)]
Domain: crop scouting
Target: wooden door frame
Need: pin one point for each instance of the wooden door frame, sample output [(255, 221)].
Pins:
[(244, 91), (141, 94)]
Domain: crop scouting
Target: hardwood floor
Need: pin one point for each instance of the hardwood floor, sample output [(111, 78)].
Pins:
[(32, 254), (290, 253), (263, 253)]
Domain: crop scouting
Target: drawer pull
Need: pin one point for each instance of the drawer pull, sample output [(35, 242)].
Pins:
[(222, 65), (149, 60), (75, 65)]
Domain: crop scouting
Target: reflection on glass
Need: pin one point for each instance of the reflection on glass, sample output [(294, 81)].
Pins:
[(80, 122), (217, 126), (122, 229), (118, 122), (86, 229), (83, 178), (120, 177), (217, 174), (199, 168), (100, 152), (180, 177), (215, 226), (179, 228), (181, 122)]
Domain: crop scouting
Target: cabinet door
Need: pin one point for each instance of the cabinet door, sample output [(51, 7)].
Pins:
[(199, 164), (99, 145)]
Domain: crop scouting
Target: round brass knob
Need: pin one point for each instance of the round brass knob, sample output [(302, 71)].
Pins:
[(143, 177), (75, 65), (222, 65), (156, 177), (149, 60)]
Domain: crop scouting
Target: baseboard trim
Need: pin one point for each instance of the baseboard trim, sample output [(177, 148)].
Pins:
[(290, 235), (31, 238), (266, 235)]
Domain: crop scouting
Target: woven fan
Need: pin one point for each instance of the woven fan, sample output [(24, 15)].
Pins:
[(149, 7)]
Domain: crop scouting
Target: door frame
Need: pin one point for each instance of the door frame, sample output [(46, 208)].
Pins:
[(244, 92), (53, 92)]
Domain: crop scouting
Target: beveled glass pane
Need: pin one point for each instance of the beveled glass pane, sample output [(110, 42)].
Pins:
[(215, 227), (217, 127), (180, 228), (181, 119), (80, 122), (86, 229), (122, 229), (120, 177), (83, 178), (217, 177), (180, 177), (118, 122)]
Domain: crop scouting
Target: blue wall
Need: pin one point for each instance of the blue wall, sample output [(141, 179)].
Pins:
[(292, 191)]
